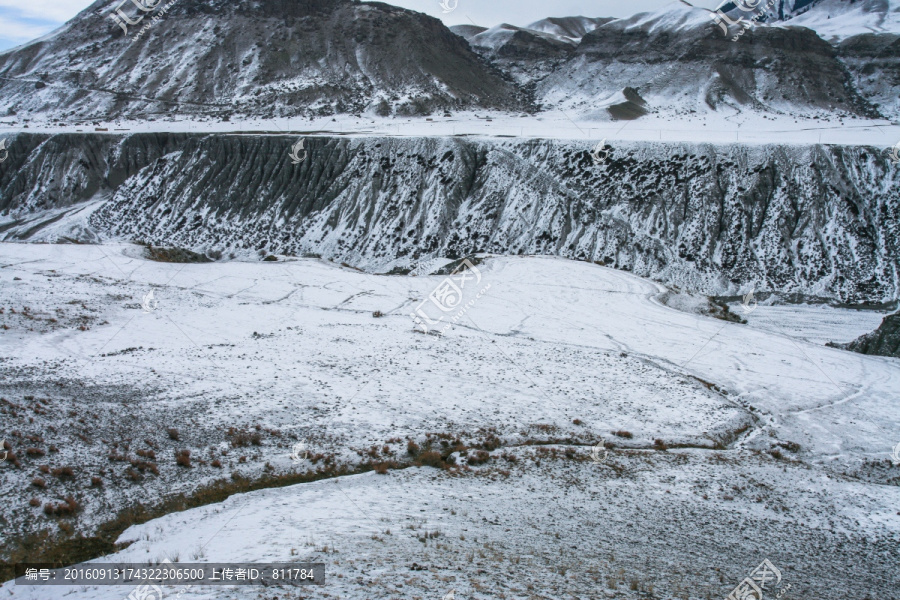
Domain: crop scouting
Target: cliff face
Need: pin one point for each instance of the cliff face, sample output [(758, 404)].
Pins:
[(818, 220)]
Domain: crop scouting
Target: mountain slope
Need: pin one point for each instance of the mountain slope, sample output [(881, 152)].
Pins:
[(873, 61), (835, 20), (254, 58), (527, 54), (572, 28), (680, 62), (320, 57), (818, 220)]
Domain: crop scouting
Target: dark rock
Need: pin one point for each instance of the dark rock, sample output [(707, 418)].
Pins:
[(884, 341)]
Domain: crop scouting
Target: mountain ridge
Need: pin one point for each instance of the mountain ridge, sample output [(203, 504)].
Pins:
[(273, 58)]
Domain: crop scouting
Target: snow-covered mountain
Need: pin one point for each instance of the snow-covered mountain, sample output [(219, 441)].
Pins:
[(680, 62), (245, 57), (835, 20), (319, 57), (571, 28), (815, 220)]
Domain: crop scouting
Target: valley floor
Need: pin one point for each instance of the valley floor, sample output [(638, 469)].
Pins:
[(722, 127), (727, 444)]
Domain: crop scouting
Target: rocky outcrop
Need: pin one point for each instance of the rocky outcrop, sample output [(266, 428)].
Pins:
[(884, 341)]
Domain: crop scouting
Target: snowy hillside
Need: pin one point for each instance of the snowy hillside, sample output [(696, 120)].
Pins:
[(327, 57), (719, 435), (590, 308), (262, 58), (814, 220), (835, 20)]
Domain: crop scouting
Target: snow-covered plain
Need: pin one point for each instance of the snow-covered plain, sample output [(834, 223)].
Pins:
[(554, 356), (724, 126)]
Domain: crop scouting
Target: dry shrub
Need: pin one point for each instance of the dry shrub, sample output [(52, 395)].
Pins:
[(63, 472), (64, 509), (478, 457), (96, 481), (173, 434), (430, 459), (623, 434), (69, 507), (183, 458), (491, 443), (38, 482), (146, 454), (216, 463), (34, 502), (790, 446), (34, 452), (412, 448), (143, 465), (660, 445), (240, 438)]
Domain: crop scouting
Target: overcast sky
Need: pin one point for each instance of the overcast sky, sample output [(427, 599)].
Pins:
[(24, 20)]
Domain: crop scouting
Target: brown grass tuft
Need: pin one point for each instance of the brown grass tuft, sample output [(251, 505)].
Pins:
[(183, 458)]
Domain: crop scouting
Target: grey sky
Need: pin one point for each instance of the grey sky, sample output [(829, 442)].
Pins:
[(23, 21)]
